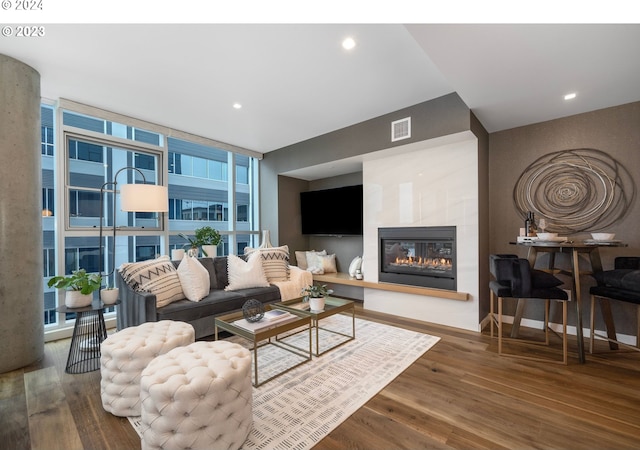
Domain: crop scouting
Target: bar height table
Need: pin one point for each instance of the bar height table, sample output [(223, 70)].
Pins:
[(574, 248)]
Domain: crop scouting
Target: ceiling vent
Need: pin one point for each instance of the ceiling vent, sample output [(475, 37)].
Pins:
[(401, 129)]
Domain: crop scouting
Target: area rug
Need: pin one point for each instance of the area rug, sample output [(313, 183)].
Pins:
[(299, 408)]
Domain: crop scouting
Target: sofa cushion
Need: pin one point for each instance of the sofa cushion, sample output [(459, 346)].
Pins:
[(194, 279), (245, 274), (217, 302), (158, 276), (275, 261)]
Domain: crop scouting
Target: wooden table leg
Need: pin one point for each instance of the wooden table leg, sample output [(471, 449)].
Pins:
[(575, 268)]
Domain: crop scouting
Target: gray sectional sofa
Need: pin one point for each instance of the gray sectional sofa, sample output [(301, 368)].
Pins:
[(136, 307)]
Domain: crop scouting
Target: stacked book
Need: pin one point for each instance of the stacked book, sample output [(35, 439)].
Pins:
[(271, 319)]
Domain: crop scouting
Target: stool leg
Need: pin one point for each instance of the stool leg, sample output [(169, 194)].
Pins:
[(592, 323), (564, 333), (546, 321), (491, 311), (499, 325)]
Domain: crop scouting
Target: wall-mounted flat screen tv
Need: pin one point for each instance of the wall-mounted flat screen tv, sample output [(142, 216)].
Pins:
[(332, 212)]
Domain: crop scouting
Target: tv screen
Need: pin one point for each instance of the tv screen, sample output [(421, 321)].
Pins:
[(332, 211)]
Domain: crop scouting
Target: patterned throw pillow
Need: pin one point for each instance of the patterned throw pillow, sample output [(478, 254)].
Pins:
[(158, 276), (301, 258), (245, 274), (275, 261)]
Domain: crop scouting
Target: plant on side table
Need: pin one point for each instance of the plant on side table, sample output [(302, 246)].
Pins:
[(80, 287), (315, 294)]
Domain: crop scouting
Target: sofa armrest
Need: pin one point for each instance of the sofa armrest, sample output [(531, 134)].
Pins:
[(135, 308)]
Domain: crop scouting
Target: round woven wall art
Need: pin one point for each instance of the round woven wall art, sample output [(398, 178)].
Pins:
[(575, 190)]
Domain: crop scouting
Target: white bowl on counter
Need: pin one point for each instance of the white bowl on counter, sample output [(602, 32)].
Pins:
[(603, 236)]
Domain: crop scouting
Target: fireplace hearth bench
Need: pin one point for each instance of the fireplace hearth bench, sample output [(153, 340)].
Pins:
[(344, 278)]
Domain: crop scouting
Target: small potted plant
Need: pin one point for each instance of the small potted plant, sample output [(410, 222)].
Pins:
[(80, 287), (193, 247), (315, 294), (208, 238)]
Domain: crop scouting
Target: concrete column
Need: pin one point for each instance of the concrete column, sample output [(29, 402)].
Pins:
[(21, 299)]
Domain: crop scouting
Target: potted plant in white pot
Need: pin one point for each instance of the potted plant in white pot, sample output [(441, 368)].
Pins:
[(79, 287), (109, 295), (193, 247), (315, 294), (208, 238)]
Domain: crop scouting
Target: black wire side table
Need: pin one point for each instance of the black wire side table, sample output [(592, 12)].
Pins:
[(88, 333)]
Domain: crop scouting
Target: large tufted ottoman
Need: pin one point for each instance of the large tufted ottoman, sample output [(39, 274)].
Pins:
[(124, 354), (197, 397)]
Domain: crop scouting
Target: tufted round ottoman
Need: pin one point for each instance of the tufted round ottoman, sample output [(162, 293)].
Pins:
[(124, 354), (197, 397)]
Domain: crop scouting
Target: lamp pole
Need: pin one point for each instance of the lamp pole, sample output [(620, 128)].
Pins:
[(113, 183)]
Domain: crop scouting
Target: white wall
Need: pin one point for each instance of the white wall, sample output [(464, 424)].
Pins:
[(431, 183)]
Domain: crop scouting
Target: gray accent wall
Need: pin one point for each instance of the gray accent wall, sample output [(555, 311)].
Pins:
[(615, 131)]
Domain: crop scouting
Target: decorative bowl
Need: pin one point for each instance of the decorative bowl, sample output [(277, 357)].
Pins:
[(603, 236), (547, 236)]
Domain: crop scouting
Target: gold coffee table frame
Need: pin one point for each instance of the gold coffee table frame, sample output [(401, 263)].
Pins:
[(332, 306), (225, 322)]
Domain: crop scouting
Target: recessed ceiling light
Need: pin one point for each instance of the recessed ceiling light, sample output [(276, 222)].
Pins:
[(570, 96), (348, 43), (237, 105)]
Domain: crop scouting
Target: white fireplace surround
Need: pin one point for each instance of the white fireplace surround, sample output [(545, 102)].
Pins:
[(429, 183)]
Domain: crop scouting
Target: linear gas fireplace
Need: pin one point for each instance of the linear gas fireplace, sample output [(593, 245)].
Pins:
[(418, 256)]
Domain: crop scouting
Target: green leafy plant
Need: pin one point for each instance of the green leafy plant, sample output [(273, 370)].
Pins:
[(316, 291), (208, 236), (79, 280), (203, 236)]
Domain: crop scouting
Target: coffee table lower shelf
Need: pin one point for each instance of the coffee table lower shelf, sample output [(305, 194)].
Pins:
[(267, 337)]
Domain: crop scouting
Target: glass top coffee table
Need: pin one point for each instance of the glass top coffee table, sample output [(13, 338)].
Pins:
[(269, 336), (332, 306)]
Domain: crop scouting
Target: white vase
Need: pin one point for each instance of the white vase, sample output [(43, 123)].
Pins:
[(177, 254), (109, 296), (316, 303), (76, 299), (210, 251), (266, 240)]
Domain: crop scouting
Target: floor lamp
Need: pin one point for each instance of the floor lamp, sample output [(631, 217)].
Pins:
[(133, 198)]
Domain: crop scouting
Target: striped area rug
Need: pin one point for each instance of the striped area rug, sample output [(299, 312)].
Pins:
[(299, 408)]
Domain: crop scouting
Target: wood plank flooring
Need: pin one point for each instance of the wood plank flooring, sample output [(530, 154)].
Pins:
[(459, 395)]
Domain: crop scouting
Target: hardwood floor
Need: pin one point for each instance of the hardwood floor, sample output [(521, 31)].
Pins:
[(459, 395)]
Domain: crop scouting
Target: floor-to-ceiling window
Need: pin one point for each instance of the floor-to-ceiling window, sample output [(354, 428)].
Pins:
[(79, 163)]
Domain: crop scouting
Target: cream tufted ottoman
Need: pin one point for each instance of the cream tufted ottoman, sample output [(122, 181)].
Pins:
[(197, 397), (124, 354)]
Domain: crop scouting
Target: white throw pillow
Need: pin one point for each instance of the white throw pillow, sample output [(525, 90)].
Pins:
[(194, 279), (275, 261), (245, 274), (301, 258), (157, 276), (314, 263)]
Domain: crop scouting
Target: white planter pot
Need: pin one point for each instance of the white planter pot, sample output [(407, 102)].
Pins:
[(177, 254), (210, 250), (109, 296), (76, 299), (316, 304)]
